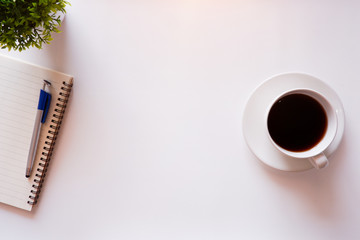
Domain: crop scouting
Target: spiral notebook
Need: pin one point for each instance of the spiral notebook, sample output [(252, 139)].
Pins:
[(20, 83)]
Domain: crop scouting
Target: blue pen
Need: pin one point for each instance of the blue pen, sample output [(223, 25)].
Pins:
[(42, 110)]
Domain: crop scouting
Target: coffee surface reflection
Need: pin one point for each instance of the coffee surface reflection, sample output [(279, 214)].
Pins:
[(297, 122)]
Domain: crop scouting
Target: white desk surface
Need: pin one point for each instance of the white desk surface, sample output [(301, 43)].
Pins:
[(152, 144)]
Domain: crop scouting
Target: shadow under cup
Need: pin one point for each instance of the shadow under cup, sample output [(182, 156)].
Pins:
[(301, 124)]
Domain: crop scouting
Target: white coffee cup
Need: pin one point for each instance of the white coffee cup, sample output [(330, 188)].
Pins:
[(315, 153)]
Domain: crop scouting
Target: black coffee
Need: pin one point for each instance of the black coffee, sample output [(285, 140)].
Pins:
[(297, 122)]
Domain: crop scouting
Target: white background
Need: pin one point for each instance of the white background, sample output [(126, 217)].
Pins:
[(152, 145)]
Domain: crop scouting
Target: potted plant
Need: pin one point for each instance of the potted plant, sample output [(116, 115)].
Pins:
[(29, 23)]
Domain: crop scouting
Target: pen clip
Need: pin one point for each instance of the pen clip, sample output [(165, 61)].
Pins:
[(44, 104)]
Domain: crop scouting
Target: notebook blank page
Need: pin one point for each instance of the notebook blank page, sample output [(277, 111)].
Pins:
[(19, 94)]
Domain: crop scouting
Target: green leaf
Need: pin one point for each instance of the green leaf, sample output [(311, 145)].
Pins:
[(20, 21)]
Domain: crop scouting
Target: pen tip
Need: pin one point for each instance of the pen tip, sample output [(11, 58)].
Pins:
[(27, 176)]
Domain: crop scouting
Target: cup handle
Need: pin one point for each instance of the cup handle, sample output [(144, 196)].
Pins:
[(319, 161)]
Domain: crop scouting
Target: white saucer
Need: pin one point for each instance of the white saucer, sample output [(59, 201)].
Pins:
[(254, 127)]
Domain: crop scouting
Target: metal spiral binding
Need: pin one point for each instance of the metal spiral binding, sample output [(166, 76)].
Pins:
[(50, 142)]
